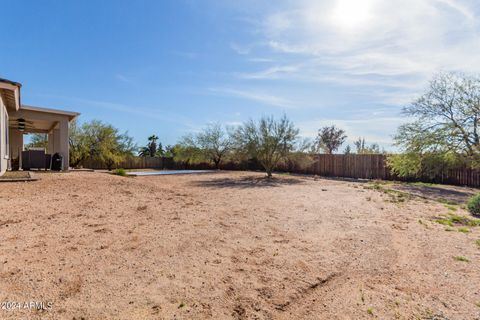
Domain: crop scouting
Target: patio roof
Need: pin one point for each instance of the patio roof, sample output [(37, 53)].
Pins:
[(31, 119), (10, 92)]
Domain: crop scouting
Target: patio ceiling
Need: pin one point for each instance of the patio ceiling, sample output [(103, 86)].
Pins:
[(10, 92), (29, 119)]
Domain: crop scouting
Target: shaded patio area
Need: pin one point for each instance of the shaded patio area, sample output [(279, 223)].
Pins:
[(30, 119)]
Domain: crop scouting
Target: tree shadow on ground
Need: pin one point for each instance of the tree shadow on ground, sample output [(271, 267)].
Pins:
[(449, 194), (248, 182)]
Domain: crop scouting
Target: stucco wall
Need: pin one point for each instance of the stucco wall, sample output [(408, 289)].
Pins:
[(3, 138)]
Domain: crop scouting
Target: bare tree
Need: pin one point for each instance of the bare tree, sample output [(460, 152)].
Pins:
[(267, 140), (330, 139)]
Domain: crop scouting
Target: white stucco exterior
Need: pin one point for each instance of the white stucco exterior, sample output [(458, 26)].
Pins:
[(3, 137), (17, 120)]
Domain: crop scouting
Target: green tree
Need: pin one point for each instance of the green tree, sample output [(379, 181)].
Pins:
[(37, 140), (152, 149), (104, 143), (186, 151), (214, 142), (78, 149), (444, 132), (330, 139), (267, 140)]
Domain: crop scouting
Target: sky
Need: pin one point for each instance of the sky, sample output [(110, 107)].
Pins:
[(170, 67)]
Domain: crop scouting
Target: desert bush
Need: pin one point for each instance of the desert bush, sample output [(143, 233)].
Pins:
[(424, 165), (120, 172), (473, 205)]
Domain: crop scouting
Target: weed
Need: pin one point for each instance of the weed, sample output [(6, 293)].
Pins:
[(395, 196), (455, 219), (181, 305), (120, 172), (422, 184), (451, 207), (477, 242), (362, 296), (463, 230), (447, 202), (461, 258), (449, 229), (370, 311)]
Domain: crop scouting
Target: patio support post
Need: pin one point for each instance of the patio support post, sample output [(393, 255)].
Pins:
[(51, 146), (63, 143), (16, 144)]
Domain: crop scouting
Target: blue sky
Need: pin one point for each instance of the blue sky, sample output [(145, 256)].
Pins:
[(169, 67)]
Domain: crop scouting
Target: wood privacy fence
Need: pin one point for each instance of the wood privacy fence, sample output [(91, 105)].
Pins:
[(374, 166), (358, 166), (129, 163)]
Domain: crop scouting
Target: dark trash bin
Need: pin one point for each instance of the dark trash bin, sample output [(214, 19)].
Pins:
[(57, 162)]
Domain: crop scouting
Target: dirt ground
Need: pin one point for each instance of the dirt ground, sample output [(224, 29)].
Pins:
[(234, 246)]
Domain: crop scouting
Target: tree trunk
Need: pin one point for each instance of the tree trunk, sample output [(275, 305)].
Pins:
[(217, 163), (269, 172)]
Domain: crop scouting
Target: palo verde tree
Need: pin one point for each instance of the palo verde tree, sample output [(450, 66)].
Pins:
[(267, 140), (330, 139), (215, 143), (445, 127), (186, 151)]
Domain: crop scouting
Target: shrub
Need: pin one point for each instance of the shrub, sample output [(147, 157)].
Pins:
[(120, 172), (473, 205)]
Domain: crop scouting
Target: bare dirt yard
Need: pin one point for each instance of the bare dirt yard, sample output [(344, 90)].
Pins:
[(236, 246)]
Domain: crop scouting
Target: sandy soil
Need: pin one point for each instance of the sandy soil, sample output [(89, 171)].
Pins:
[(231, 246)]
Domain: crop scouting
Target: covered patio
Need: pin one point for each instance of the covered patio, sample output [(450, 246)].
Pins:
[(54, 123)]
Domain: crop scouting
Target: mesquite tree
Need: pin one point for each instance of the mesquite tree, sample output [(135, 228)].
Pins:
[(445, 126), (330, 139), (267, 140)]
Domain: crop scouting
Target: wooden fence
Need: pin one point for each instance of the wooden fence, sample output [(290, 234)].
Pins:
[(374, 166), (358, 166), (129, 163)]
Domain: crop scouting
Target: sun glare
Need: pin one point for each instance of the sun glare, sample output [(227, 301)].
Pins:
[(351, 14)]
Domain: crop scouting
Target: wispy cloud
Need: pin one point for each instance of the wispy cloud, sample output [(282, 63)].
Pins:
[(241, 49), (360, 38), (122, 78), (161, 114), (261, 97), (375, 130), (270, 73)]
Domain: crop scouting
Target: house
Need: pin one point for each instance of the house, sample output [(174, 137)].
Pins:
[(16, 120)]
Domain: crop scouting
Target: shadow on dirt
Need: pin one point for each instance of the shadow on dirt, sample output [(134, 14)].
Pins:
[(438, 193), (247, 182)]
